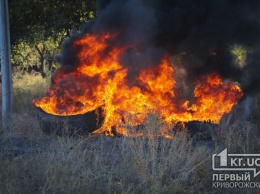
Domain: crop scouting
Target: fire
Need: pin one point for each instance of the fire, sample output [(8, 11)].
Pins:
[(99, 80)]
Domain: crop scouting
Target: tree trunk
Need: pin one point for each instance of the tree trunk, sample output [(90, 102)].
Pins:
[(42, 60), (5, 65)]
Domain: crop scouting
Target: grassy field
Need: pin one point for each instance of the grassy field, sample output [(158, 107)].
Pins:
[(32, 162)]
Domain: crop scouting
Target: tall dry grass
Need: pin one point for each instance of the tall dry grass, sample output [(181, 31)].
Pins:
[(26, 88), (31, 162)]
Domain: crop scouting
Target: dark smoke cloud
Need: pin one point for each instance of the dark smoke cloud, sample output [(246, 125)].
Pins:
[(199, 33)]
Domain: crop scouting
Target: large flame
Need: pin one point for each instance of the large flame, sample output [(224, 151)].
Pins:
[(99, 80)]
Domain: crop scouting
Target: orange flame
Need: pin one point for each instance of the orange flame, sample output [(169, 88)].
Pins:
[(99, 80)]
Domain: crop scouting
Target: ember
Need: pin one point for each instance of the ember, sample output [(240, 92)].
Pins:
[(100, 80)]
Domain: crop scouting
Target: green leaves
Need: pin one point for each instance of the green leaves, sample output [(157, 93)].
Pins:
[(41, 22), (31, 18)]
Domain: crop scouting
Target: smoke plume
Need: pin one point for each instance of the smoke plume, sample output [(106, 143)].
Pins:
[(197, 35)]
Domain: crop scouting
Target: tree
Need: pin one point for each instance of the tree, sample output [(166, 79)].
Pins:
[(34, 22), (34, 19)]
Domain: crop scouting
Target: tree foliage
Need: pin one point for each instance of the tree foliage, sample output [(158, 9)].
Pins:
[(28, 58), (38, 27), (32, 20)]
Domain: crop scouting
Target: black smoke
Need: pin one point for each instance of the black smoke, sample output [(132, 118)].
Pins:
[(198, 33)]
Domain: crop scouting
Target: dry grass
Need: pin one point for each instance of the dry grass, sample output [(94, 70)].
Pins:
[(31, 162), (105, 165)]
